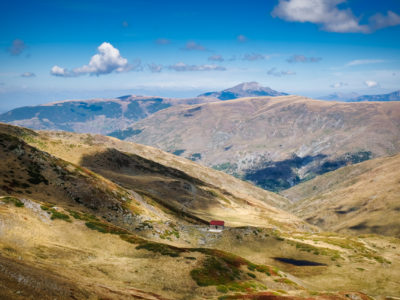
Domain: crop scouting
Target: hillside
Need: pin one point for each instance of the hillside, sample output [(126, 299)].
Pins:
[(362, 198), (245, 89), (72, 233), (179, 184), (105, 116), (275, 142)]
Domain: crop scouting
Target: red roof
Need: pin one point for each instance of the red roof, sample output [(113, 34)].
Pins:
[(218, 223)]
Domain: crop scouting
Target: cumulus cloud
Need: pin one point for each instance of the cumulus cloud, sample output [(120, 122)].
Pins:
[(254, 56), (216, 58), (330, 17), (190, 46), (28, 74), (17, 47), (276, 73), (162, 41), (182, 67), (371, 83), (154, 68), (338, 85), (302, 59), (108, 60), (241, 38), (357, 62), (61, 72)]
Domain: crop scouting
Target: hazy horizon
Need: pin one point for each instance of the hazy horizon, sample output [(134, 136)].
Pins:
[(62, 50)]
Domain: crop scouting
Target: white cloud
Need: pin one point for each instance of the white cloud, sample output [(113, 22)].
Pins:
[(182, 67), (28, 74), (330, 17), (190, 46), (108, 60), (338, 85), (276, 73), (254, 56), (371, 83), (58, 71), (302, 59), (364, 62), (216, 58), (154, 68)]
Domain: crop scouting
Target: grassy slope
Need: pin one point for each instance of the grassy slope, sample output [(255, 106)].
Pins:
[(69, 259), (201, 191), (362, 198), (342, 255)]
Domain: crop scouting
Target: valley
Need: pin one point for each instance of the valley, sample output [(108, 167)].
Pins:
[(84, 206), (200, 150)]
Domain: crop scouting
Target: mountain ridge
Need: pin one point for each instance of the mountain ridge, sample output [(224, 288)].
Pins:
[(275, 142), (393, 96), (245, 89)]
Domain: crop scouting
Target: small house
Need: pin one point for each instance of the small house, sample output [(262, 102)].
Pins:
[(216, 226)]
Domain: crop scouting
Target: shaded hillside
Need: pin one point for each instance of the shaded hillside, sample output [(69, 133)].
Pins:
[(275, 142), (363, 198), (174, 183), (245, 89), (27, 171), (106, 116)]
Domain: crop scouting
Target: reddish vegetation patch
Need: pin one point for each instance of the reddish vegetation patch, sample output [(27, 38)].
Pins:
[(263, 296), (271, 296)]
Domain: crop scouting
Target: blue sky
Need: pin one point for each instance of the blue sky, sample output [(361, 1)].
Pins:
[(54, 50)]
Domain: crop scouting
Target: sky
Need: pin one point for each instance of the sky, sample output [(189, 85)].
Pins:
[(63, 49)]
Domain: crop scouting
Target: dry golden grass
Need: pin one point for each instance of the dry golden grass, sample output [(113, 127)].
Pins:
[(104, 265), (363, 198)]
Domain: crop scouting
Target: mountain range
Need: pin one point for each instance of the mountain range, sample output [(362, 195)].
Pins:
[(394, 96), (274, 142), (106, 116), (90, 216), (354, 97), (112, 116)]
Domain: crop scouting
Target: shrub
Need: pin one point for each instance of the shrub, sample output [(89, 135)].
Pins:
[(58, 215), (16, 201), (105, 227), (162, 249)]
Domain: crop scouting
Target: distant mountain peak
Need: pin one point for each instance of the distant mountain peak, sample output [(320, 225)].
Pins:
[(252, 85), (245, 89), (394, 96)]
